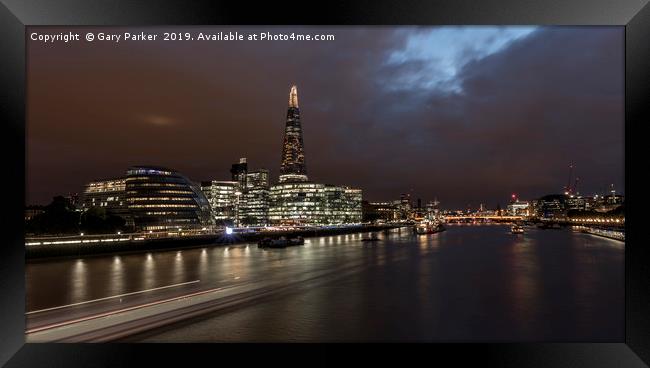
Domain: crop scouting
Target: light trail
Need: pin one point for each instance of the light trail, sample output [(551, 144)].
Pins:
[(106, 314), (111, 297)]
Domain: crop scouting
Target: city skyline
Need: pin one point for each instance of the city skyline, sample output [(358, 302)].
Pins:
[(426, 133)]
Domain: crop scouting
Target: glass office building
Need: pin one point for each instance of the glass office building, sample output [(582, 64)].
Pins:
[(342, 205), (298, 203), (222, 196), (254, 207), (162, 199), (305, 203), (254, 201)]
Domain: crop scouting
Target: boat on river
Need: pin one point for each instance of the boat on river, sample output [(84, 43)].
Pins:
[(517, 229), (373, 238), (428, 227), (282, 242)]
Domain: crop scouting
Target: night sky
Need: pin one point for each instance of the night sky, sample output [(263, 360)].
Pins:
[(465, 114)]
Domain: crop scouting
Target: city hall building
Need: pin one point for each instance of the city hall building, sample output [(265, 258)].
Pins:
[(151, 199)]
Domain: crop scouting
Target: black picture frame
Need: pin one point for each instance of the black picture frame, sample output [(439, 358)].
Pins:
[(15, 15)]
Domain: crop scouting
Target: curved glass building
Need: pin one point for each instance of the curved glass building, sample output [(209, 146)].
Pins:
[(162, 199)]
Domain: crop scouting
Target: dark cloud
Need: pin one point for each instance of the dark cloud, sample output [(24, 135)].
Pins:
[(520, 115)]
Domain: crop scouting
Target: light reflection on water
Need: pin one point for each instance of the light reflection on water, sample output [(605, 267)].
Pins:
[(148, 272), (79, 282), (525, 279), (117, 276), (465, 283)]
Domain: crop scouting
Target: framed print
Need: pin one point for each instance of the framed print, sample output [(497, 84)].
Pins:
[(453, 176)]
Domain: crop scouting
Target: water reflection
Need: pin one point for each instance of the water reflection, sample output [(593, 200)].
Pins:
[(117, 276), (178, 270), (203, 262), (524, 267), (465, 282), (148, 273), (79, 284)]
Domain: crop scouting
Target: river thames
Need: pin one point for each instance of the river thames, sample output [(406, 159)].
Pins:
[(469, 283)]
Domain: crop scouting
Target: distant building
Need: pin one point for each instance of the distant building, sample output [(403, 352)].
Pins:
[(576, 203), (519, 208), (306, 203), (614, 199), (162, 199), (254, 202), (609, 202), (551, 206), (222, 196), (405, 205), (257, 179), (150, 199), (385, 211), (33, 211), (342, 205), (297, 203), (109, 194), (254, 207), (238, 172)]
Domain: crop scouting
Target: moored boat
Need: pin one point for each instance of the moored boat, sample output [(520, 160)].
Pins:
[(428, 227), (282, 242), (517, 229), (373, 238)]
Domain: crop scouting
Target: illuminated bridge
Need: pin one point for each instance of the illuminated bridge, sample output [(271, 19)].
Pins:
[(482, 218)]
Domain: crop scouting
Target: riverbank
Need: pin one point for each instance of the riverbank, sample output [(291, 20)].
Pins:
[(66, 247), (609, 234)]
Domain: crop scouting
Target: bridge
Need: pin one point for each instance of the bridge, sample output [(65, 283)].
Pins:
[(482, 218), (598, 222)]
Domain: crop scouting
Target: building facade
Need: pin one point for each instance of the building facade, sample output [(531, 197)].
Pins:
[(109, 194), (254, 206), (342, 205), (519, 208), (551, 206), (257, 179), (162, 199), (297, 203), (223, 197)]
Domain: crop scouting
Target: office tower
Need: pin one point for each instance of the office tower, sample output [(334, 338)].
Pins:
[(293, 167)]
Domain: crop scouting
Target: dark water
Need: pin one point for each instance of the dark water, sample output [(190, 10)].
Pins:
[(469, 283)]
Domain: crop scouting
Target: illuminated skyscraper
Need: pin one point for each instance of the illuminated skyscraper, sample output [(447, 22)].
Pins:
[(293, 167), (297, 201)]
